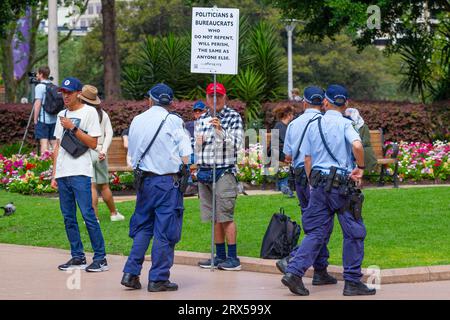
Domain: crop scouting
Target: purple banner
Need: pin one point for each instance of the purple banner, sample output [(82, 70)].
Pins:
[(21, 45)]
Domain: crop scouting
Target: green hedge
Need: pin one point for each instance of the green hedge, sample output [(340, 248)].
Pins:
[(400, 121)]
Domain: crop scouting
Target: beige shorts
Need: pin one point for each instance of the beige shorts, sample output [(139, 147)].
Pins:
[(226, 193), (101, 175)]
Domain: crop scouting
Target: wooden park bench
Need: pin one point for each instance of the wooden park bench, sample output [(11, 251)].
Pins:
[(380, 150), (117, 156)]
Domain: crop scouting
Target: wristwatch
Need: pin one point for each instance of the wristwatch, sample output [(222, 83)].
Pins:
[(74, 129), (361, 167)]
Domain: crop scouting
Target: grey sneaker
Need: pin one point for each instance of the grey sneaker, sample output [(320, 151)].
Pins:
[(231, 264), (206, 264), (98, 266)]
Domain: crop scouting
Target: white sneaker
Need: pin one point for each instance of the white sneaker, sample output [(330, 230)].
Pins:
[(117, 217)]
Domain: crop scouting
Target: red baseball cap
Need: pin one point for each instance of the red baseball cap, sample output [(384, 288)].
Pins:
[(220, 89)]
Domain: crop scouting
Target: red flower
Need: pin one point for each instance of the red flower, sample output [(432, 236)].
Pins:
[(116, 179), (30, 166)]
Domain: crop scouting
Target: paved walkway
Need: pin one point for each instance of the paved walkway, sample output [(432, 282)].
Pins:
[(31, 273)]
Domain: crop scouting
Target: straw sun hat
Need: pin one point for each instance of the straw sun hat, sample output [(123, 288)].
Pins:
[(89, 94)]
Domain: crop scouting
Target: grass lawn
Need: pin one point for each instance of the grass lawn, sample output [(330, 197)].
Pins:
[(405, 227)]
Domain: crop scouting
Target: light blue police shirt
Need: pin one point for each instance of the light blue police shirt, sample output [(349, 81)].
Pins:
[(39, 93), (294, 134), (339, 135), (171, 144)]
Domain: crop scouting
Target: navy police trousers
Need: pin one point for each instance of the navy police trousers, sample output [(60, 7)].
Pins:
[(317, 220), (158, 215), (321, 262)]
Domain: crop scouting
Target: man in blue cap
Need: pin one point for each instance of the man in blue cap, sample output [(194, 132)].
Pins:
[(158, 146), (312, 103), (330, 146), (72, 176), (198, 109)]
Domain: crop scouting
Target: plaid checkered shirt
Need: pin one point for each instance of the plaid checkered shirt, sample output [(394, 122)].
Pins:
[(227, 142)]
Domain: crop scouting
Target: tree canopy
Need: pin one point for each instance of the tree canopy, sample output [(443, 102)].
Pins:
[(417, 30)]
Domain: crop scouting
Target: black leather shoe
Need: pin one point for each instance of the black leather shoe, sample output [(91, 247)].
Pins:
[(295, 284), (282, 264), (357, 289), (322, 277), (162, 286), (130, 281)]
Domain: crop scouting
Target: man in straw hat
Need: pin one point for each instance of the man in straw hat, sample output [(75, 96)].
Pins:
[(100, 178)]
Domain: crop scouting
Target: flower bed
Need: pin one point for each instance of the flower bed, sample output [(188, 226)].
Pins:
[(30, 174), (423, 161), (27, 174)]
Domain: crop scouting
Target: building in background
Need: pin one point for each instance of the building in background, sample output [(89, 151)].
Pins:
[(69, 18)]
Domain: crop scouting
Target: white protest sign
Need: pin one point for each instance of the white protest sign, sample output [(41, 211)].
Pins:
[(215, 40)]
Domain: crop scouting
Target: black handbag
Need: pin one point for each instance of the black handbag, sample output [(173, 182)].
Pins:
[(280, 238), (72, 144)]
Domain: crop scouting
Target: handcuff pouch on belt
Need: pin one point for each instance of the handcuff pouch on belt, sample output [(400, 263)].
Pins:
[(291, 178), (138, 174), (299, 175), (183, 177)]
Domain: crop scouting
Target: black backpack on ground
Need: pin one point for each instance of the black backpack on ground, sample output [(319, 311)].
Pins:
[(54, 101), (281, 237)]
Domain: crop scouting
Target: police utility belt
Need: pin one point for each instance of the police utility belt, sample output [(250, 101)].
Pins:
[(345, 186), (332, 180)]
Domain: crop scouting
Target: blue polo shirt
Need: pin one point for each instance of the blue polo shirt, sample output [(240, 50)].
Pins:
[(172, 142), (293, 136), (339, 135)]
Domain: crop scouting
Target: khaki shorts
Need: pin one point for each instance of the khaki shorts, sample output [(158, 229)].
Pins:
[(226, 193), (100, 175)]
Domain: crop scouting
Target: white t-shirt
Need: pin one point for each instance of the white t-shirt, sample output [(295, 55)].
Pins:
[(86, 119)]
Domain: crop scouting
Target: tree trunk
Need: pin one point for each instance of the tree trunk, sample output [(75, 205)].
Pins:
[(7, 62), (111, 64)]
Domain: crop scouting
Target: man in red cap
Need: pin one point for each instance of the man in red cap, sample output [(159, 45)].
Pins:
[(218, 139)]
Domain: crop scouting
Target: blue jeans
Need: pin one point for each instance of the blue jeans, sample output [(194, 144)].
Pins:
[(73, 190)]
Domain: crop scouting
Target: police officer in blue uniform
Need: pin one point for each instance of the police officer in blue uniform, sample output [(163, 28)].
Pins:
[(312, 102), (330, 147), (159, 204)]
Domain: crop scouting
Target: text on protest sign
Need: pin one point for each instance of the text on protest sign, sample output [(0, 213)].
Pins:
[(215, 38)]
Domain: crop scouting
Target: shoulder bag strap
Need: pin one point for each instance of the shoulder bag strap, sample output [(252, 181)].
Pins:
[(325, 143), (316, 117), (151, 142)]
